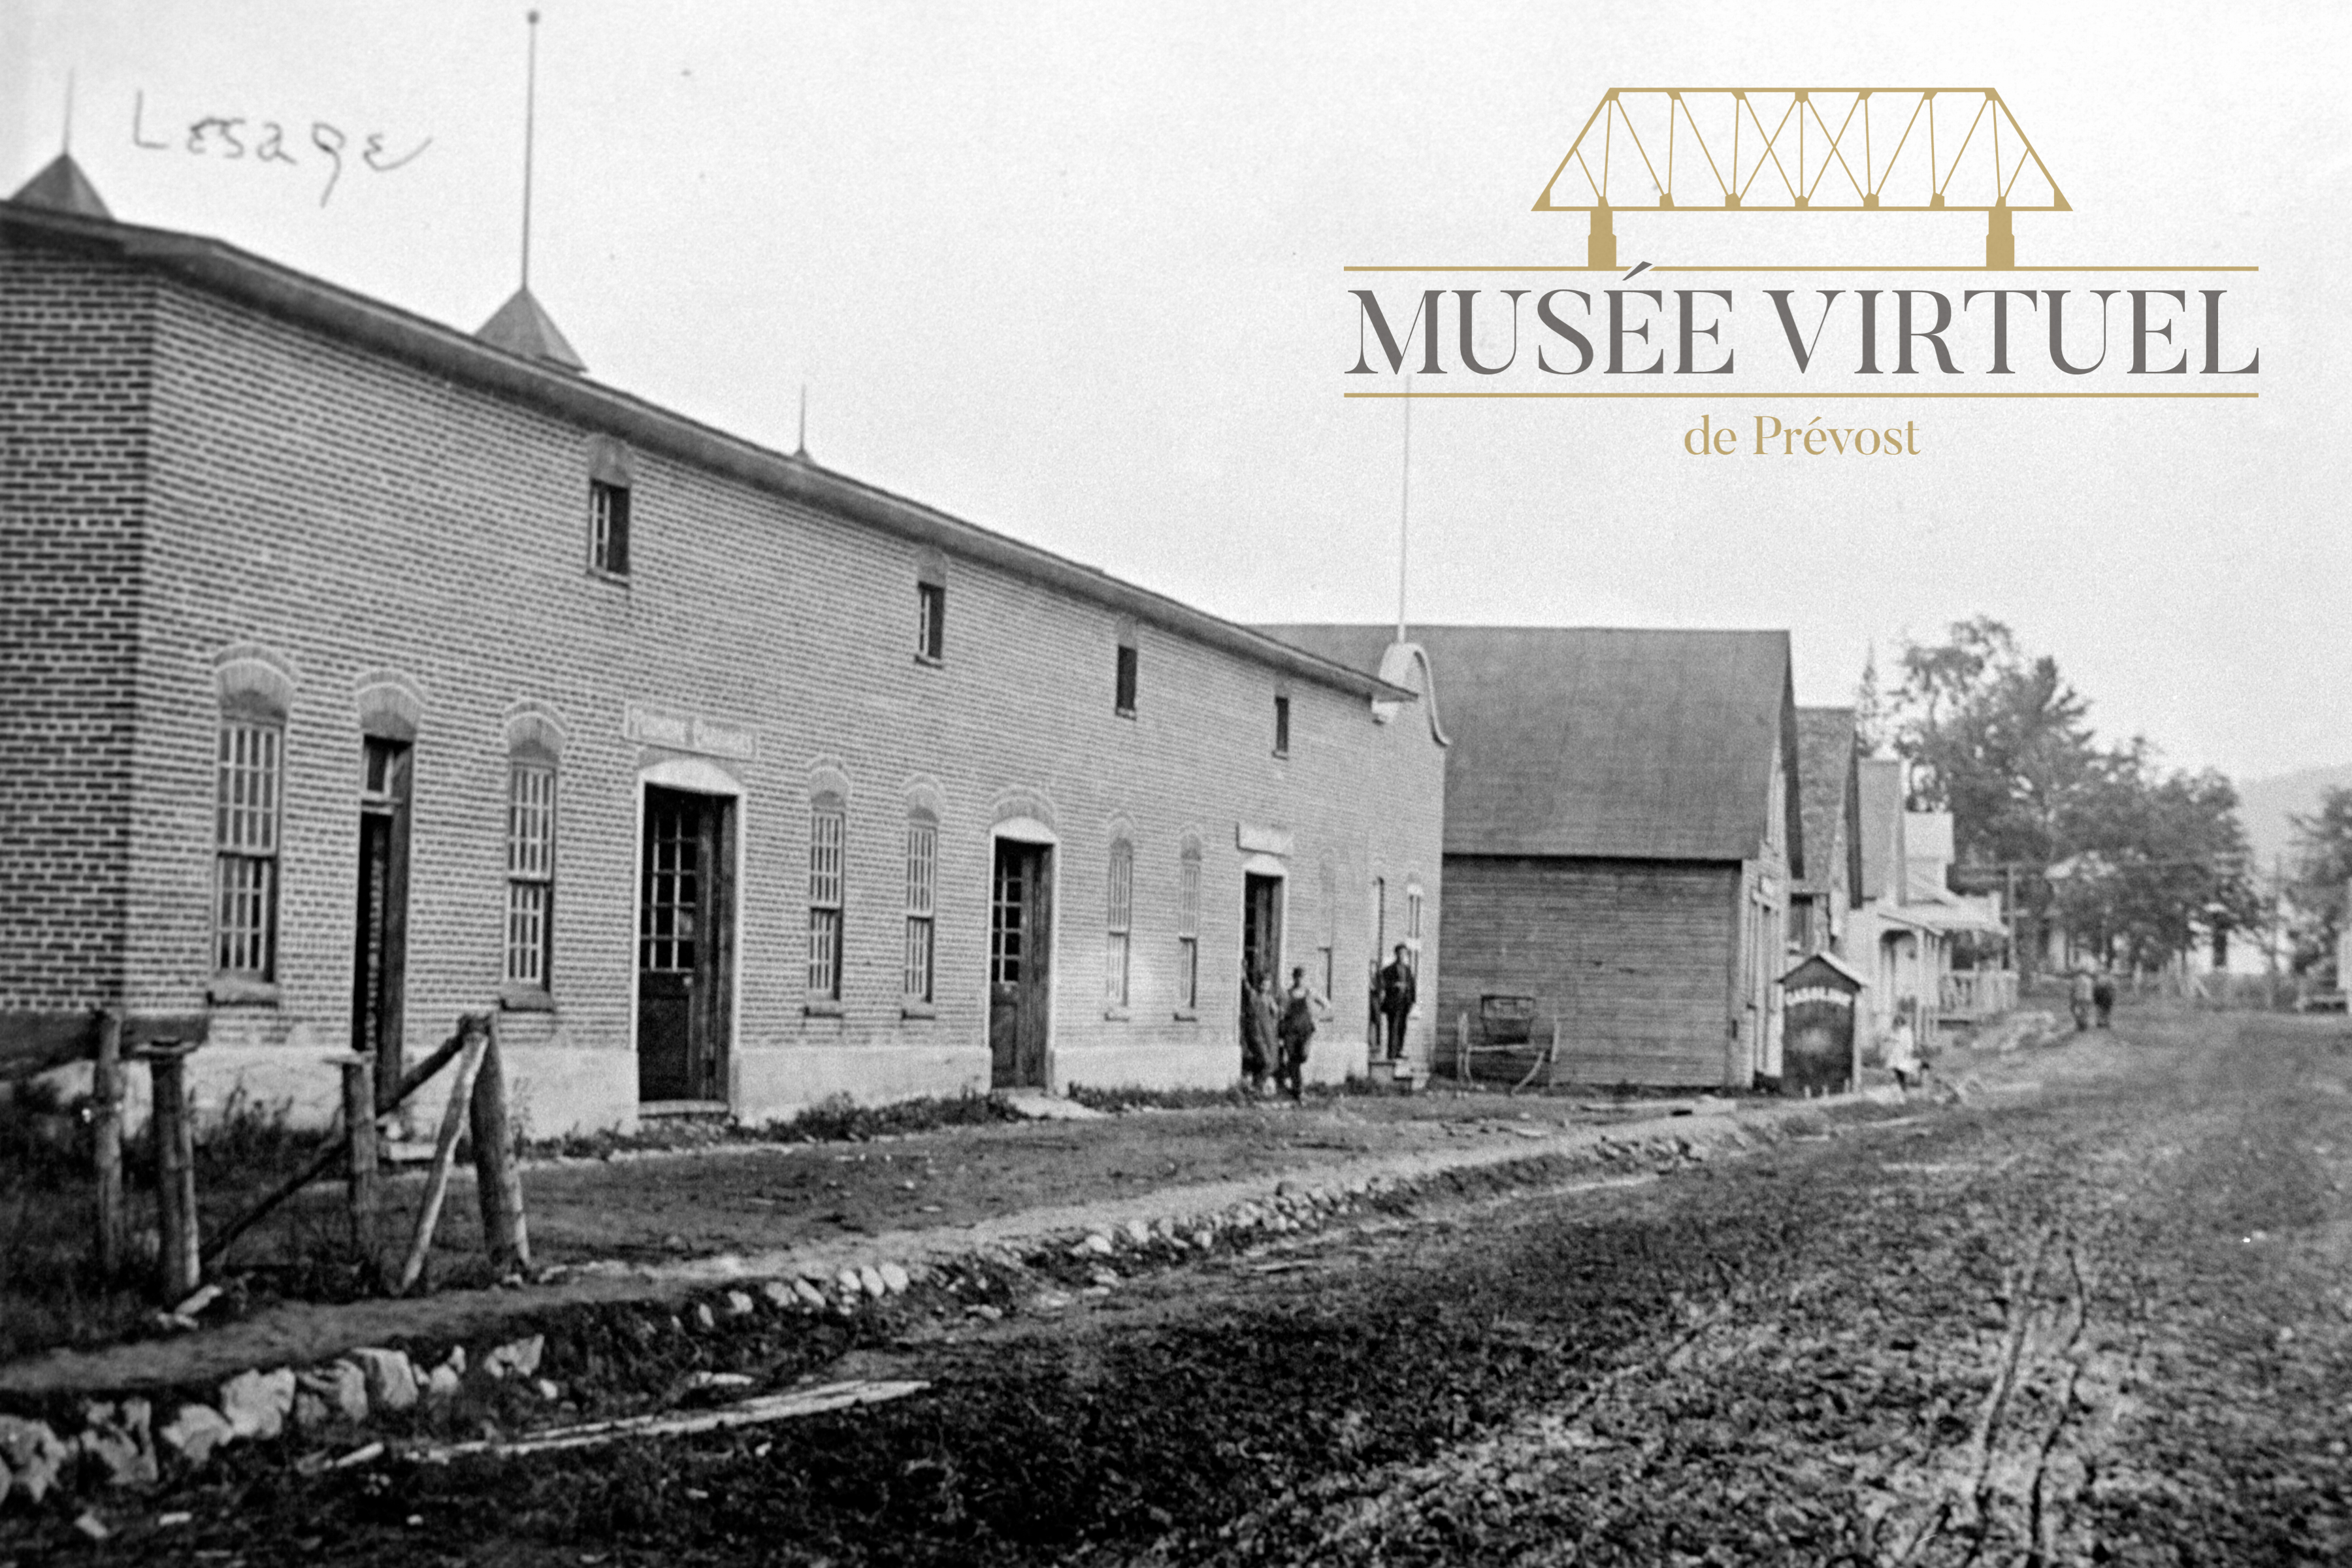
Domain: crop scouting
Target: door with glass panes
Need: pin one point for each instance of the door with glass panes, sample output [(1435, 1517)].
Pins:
[(685, 948)]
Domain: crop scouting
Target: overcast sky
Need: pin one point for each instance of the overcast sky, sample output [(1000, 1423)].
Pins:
[(1074, 272)]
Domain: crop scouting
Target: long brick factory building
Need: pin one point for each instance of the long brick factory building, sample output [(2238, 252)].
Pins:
[(362, 673)]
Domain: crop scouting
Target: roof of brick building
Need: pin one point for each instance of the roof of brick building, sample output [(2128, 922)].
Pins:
[(50, 212)]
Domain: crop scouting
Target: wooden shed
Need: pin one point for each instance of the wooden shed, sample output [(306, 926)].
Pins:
[(1621, 827)]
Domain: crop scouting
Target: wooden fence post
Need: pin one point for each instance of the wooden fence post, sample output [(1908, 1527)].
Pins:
[(179, 1268), (496, 1180), (106, 1132), (477, 1035), (1461, 1046), (365, 1187)]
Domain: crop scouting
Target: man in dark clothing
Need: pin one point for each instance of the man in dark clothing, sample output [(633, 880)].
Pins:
[(1399, 992), (2103, 997)]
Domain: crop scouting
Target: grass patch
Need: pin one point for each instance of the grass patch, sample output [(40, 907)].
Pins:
[(52, 1289), (837, 1119)]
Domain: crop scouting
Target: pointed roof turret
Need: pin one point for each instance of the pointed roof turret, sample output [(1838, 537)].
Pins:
[(62, 187), (522, 327)]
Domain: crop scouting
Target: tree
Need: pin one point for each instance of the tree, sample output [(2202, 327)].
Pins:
[(2137, 858), (2322, 868)]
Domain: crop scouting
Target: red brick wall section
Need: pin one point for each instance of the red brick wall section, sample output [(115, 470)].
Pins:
[(1630, 955), (351, 515), (75, 368)]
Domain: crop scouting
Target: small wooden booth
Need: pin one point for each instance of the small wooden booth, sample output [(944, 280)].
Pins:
[(1821, 1048)]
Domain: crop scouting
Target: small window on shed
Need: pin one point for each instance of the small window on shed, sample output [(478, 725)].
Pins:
[(608, 527), (1281, 725), (1124, 699)]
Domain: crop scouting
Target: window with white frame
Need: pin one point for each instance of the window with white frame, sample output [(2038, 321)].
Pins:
[(1120, 922), (245, 842), (922, 885), (1412, 924), (531, 871), (1188, 929), (828, 832)]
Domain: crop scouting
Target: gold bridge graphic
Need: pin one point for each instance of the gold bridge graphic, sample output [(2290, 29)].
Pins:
[(1680, 149)]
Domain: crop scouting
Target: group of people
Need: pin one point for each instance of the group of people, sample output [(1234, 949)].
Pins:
[(1278, 1029), (2092, 993)]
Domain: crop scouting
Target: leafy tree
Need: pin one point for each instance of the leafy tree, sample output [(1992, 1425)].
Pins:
[(2322, 868), (2134, 856)]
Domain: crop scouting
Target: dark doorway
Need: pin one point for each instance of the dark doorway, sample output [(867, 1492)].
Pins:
[(686, 947), (1020, 957), (380, 933), (1262, 928)]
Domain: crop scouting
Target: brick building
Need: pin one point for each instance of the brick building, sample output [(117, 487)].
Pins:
[(1621, 827), (362, 673)]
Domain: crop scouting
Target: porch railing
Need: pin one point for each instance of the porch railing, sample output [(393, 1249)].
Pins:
[(1969, 994)]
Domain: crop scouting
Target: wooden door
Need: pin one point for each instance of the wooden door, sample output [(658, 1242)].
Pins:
[(380, 930), (1020, 942), (1262, 928), (685, 947)]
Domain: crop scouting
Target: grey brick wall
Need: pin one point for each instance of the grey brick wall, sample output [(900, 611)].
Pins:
[(359, 519)]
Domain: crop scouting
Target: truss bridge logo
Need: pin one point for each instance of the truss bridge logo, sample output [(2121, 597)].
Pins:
[(1651, 167), (1671, 149)]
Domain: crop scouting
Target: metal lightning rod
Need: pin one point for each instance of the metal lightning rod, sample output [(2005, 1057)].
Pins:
[(530, 118), (1404, 504)]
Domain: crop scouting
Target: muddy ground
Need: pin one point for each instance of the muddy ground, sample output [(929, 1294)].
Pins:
[(2100, 1311)]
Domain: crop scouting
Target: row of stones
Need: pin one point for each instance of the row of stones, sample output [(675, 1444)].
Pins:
[(119, 1445)]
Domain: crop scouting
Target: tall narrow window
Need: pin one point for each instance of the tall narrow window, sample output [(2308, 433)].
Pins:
[(828, 832), (531, 872), (1188, 929), (932, 621), (608, 527), (1281, 726), (1124, 698), (245, 840), (922, 883), (1120, 923), (1327, 885), (1412, 924)]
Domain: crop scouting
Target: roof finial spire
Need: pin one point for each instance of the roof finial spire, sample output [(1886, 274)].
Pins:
[(530, 118), (520, 326), (65, 143), (801, 451)]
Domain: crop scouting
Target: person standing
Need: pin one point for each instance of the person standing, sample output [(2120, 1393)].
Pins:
[(1296, 1031), (1257, 1030), (1902, 1050), (2102, 996), (2080, 998), (1399, 992)]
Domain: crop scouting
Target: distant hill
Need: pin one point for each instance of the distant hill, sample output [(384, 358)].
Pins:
[(2264, 806)]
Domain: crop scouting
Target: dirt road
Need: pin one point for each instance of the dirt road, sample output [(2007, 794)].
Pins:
[(2099, 1312)]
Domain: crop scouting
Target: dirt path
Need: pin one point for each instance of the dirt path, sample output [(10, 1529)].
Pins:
[(2097, 1314), (657, 1227)]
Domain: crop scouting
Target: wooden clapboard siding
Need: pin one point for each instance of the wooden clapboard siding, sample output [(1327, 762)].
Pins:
[(1630, 955)]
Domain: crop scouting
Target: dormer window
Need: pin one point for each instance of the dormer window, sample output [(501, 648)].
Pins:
[(931, 610), (608, 528), (609, 481), (1124, 676)]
